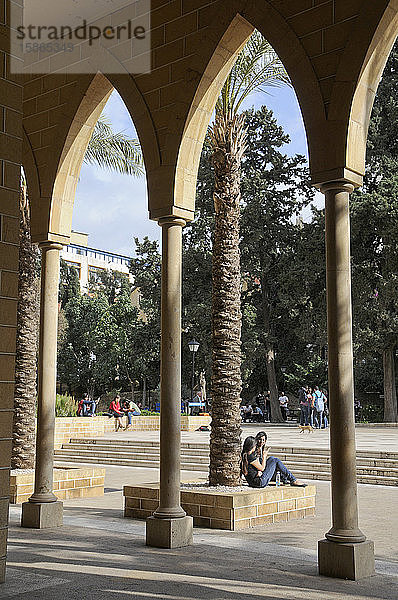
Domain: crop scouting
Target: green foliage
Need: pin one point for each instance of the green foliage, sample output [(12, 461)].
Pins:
[(69, 285), (257, 68), (312, 372), (277, 254), (65, 406), (372, 413), (112, 284), (108, 343), (114, 151)]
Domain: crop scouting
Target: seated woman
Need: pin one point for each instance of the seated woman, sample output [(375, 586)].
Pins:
[(259, 469)]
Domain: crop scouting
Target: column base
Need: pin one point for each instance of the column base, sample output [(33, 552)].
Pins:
[(169, 533), (43, 515), (346, 560)]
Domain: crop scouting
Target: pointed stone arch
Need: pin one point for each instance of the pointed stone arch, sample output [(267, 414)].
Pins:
[(284, 41), (53, 177)]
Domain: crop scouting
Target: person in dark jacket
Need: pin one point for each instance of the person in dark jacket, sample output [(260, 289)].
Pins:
[(259, 469)]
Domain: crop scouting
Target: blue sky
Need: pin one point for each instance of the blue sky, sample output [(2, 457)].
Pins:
[(112, 208)]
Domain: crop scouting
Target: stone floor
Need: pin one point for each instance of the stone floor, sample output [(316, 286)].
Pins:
[(99, 555)]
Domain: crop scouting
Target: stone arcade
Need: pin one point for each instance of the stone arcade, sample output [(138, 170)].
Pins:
[(334, 52)]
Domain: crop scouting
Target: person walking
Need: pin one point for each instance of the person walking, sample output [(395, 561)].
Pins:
[(259, 469), (283, 402), (319, 407), (304, 406), (325, 410)]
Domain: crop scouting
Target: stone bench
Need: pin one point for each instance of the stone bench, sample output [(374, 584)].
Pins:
[(227, 510)]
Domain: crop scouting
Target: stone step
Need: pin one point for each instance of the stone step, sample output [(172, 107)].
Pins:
[(309, 463), (325, 476), (125, 462), (139, 450), (205, 446), (361, 470), (202, 456), (145, 459), (103, 453)]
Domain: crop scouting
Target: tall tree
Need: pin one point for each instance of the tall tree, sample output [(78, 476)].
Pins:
[(256, 68), (274, 190), (374, 212), (23, 446)]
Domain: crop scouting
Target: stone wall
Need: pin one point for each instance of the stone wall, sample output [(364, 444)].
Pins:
[(80, 427), (10, 172), (68, 483), (67, 428)]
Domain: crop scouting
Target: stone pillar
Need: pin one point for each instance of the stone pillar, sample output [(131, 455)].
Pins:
[(169, 527), (344, 553), (43, 508)]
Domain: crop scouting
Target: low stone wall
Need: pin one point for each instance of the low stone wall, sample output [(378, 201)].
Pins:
[(68, 483), (80, 427), (67, 428), (232, 511)]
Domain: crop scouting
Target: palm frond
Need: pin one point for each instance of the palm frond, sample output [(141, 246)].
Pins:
[(257, 68), (114, 151)]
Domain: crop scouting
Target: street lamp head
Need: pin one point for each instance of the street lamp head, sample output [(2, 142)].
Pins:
[(193, 345), (283, 369)]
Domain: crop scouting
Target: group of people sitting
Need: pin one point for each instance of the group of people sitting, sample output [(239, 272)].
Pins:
[(259, 469), (86, 407), (259, 411), (127, 408)]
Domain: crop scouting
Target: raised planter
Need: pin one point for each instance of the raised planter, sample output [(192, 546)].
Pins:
[(227, 510), (69, 482)]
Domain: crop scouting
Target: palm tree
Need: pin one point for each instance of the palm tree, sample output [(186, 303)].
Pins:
[(257, 68), (23, 447), (110, 150), (114, 151)]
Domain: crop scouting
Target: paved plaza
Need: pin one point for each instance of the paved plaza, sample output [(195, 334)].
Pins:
[(99, 554)]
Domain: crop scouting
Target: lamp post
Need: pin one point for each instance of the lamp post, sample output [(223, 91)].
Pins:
[(193, 346)]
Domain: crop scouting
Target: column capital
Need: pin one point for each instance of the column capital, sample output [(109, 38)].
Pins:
[(337, 186), (172, 221), (49, 245)]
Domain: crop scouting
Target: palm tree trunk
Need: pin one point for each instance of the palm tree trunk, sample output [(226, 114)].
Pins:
[(276, 414), (390, 392), (23, 446), (228, 139)]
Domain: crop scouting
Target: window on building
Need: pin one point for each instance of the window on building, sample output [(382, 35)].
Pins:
[(94, 273), (76, 266)]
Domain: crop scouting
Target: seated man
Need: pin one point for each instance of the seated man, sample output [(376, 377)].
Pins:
[(258, 416), (89, 406), (131, 410)]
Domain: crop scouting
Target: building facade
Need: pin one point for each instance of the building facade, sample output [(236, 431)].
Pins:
[(90, 262)]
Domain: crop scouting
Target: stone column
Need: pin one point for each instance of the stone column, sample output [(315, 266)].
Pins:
[(344, 553), (43, 508), (169, 527)]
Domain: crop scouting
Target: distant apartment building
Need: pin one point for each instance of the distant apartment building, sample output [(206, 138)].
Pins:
[(90, 262)]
